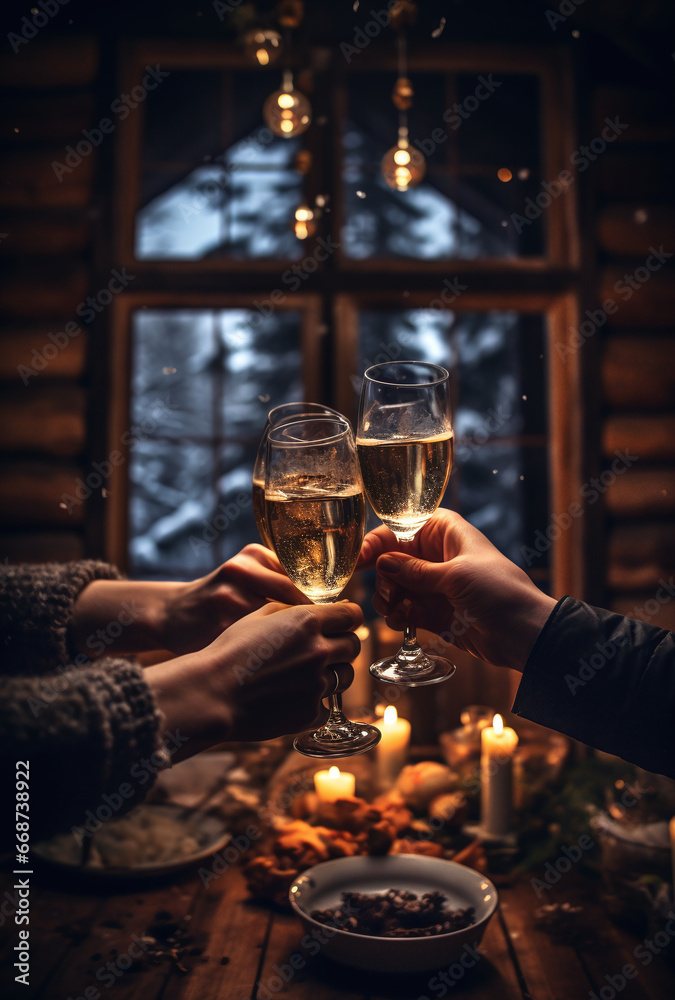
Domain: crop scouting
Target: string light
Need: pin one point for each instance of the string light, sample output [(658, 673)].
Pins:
[(304, 222), (403, 167), (287, 111)]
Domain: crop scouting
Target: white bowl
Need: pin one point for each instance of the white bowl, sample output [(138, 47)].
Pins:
[(322, 886)]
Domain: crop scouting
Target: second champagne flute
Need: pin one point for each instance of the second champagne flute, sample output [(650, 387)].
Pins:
[(316, 514), (405, 445)]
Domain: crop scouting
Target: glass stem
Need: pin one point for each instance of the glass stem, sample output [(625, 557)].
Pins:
[(410, 643), (336, 715)]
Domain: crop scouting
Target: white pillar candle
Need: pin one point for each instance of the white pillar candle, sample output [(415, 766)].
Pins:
[(392, 750), (498, 743), (334, 784), (358, 697)]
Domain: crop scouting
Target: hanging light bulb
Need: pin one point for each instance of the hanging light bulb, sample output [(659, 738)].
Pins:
[(287, 111), (403, 167), (304, 222), (263, 46)]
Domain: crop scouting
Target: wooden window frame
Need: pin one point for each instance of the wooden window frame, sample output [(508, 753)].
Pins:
[(551, 67), (549, 283)]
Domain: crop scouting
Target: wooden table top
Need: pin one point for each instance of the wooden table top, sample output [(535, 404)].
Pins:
[(228, 948)]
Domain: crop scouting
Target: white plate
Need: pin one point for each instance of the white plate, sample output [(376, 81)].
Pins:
[(322, 886), (213, 836)]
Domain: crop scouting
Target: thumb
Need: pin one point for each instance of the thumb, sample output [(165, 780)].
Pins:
[(411, 573)]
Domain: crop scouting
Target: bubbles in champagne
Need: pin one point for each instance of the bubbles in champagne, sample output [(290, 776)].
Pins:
[(405, 479), (316, 526)]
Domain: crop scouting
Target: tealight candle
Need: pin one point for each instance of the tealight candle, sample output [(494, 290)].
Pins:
[(498, 743), (392, 750), (334, 784)]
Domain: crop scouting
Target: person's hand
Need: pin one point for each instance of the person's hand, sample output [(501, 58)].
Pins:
[(179, 617), (452, 581), (196, 613), (265, 676)]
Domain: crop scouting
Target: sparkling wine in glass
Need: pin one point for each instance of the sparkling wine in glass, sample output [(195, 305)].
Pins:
[(285, 413), (406, 447), (316, 515)]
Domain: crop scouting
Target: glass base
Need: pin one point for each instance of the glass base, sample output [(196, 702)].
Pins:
[(413, 669), (344, 739)]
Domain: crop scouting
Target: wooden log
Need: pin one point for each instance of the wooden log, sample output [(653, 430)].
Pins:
[(646, 112), (31, 493), (46, 118), (642, 492), (650, 303), (639, 555), (638, 371), (628, 173), (43, 290), (41, 546), (44, 234), (631, 230), (19, 347), (28, 179), (49, 419), (65, 60), (648, 437)]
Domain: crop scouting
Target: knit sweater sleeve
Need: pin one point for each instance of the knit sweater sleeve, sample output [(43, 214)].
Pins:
[(86, 729), (91, 737), (36, 605)]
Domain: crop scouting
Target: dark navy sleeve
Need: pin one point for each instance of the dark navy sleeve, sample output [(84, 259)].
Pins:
[(605, 680)]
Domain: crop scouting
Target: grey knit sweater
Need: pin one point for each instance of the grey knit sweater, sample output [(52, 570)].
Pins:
[(84, 727)]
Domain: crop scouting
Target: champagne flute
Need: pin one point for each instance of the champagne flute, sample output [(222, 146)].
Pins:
[(316, 516), (406, 447), (285, 413)]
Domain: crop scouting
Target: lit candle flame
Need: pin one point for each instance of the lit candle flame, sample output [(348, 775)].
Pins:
[(334, 772), (498, 725), (390, 715)]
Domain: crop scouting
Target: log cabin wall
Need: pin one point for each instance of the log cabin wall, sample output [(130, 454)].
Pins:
[(52, 423), (49, 95), (635, 247)]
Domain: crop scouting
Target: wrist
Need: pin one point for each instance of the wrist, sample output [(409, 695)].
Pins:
[(115, 616), (185, 696)]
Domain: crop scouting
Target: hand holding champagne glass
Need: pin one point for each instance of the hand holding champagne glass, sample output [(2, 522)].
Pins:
[(406, 447), (316, 513)]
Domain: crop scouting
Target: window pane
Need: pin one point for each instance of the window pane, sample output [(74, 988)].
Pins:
[(215, 181), (497, 365), (202, 383), (461, 209)]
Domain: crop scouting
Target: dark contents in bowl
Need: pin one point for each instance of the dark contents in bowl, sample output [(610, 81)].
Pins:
[(395, 913)]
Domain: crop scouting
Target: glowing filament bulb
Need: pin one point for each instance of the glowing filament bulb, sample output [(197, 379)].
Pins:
[(263, 57), (285, 100), (401, 156)]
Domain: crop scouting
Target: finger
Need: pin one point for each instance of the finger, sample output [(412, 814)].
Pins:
[(266, 582), (344, 673), (346, 646), (413, 574), (342, 617), (374, 545)]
